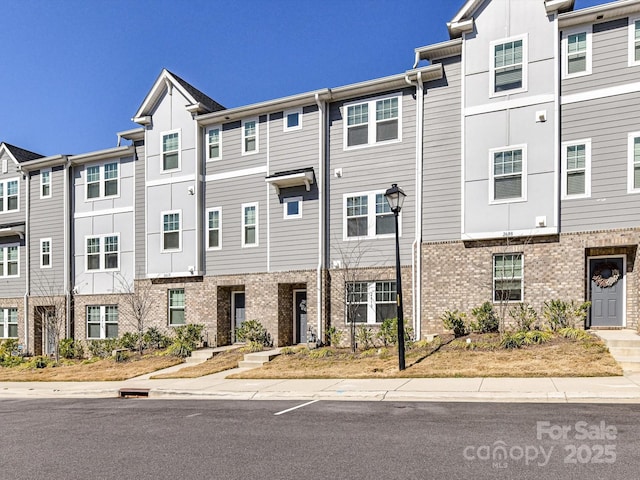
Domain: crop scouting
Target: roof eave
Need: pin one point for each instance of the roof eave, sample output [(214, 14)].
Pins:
[(456, 29), (157, 90), (599, 13), (43, 162), (133, 134), (450, 48), (102, 154), (559, 6)]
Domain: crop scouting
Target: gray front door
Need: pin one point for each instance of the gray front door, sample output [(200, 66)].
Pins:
[(300, 306), (607, 289), (237, 309)]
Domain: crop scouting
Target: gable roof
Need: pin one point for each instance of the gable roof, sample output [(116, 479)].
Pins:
[(19, 154), (198, 101)]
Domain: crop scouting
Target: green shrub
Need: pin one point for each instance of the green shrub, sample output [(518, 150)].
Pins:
[(560, 314), (536, 337), (511, 340), (154, 338), (320, 353), (486, 319), (39, 362), (129, 340), (574, 334), (8, 346), (252, 331), (334, 336), (364, 337), (103, 348), (388, 332), (456, 321), (70, 348), (186, 339), (524, 316)]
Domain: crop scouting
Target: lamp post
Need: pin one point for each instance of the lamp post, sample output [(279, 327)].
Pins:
[(395, 197)]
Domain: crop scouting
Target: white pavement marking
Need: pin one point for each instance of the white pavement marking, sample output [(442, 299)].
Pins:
[(193, 415), (295, 408)]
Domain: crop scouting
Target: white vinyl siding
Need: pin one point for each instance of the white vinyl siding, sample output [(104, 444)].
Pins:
[(577, 52), (368, 215), (370, 302), (102, 322), (214, 228), (576, 169), (170, 151), (8, 323), (45, 253), (249, 136), (176, 303), (372, 122), (10, 261), (45, 183), (508, 66), (9, 194), (171, 231), (102, 252), (508, 175), (103, 181), (633, 180), (508, 277), (214, 143), (250, 225)]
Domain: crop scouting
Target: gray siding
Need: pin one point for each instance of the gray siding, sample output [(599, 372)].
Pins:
[(7, 217), (442, 156), (372, 168), (607, 122), (610, 43), (139, 210)]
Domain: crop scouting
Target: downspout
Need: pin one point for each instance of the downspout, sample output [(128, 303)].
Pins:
[(27, 239), (198, 207), (416, 257), (67, 246), (321, 159), (267, 186)]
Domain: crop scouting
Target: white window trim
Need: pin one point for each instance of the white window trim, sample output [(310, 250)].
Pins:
[(42, 241), (523, 197), (632, 42), (371, 301), (4, 319), (588, 29), (525, 65), (42, 183), (371, 217), (286, 113), (101, 253), (101, 181), (4, 266), (162, 135), (103, 321), (244, 244), (257, 135), (169, 307), (219, 210), (285, 203), (587, 168), (170, 250), (630, 154), (494, 278), (371, 131), (5, 195), (206, 140)]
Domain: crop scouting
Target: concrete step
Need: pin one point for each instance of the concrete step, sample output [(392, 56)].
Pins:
[(199, 356), (630, 367), (250, 364), (624, 352), (257, 359), (631, 343), (624, 346)]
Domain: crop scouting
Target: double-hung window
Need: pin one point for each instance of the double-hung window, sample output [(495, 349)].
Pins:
[(103, 180), (576, 169), (371, 122), (102, 321), (170, 151), (509, 65), (250, 225), (45, 253), (103, 252), (9, 195), (171, 231), (214, 144), (45, 183), (371, 302), (633, 175), (249, 136), (507, 277), (10, 261), (176, 302), (214, 228), (634, 41), (577, 52), (292, 120), (368, 215), (508, 175), (8, 323)]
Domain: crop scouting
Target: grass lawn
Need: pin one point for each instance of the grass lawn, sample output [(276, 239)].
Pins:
[(448, 357)]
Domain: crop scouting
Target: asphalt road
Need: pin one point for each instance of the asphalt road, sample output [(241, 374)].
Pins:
[(169, 439)]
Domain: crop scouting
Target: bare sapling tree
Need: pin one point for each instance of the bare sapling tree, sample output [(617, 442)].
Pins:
[(138, 299), (52, 309)]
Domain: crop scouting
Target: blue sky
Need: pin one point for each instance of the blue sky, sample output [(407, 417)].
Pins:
[(74, 72)]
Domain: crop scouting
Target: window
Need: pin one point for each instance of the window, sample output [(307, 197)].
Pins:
[(371, 302), (103, 252), (102, 321), (250, 136), (634, 41), (250, 225), (363, 128), (45, 183), (507, 277), (103, 180), (9, 261), (509, 66), (361, 221), (8, 323), (171, 234), (576, 169), (8, 195), (634, 163), (577, 52), (292, 207), (176, 306), (171, 151), (214, 229), (45, 253), (508, 174), (214, 150), (292, 120)]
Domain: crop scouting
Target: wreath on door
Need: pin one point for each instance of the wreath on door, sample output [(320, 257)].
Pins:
[(606, 275)]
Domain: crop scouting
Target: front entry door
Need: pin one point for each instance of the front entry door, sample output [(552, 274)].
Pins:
[(300, 309), (607, 291), (237, 311)]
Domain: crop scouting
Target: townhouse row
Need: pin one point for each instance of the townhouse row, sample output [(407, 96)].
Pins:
[(516, 142)]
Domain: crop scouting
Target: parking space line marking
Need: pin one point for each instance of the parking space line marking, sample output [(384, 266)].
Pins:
[(193, 415), (296, 407)]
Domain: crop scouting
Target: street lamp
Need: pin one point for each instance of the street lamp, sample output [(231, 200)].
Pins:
[(395, 196)]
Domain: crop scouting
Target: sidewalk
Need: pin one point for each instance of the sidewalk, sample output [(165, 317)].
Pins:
[(624, 389)]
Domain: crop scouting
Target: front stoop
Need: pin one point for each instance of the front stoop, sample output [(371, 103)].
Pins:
[(624, 346), (257, 359), (199, 356)]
